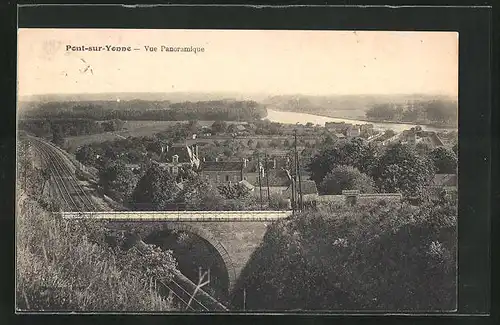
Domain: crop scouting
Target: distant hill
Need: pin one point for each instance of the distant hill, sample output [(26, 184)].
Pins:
[(172, 97)]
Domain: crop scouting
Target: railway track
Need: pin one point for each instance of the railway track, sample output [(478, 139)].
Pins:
[(73, 195), (74, 198)]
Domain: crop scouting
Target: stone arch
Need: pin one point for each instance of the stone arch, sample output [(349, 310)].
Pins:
[(210, 238)]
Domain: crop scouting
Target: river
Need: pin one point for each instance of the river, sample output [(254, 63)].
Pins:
[(303, 118)]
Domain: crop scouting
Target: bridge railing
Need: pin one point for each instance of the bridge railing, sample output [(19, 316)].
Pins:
[(180, 216)]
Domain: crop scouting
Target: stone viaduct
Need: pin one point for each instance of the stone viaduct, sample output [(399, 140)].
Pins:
[(234, 235)]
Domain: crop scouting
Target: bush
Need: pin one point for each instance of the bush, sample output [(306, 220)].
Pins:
[(346, 178), (445, 160), (66, 266), (373, 257)]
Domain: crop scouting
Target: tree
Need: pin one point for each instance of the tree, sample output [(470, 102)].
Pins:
[(57, 135), (113, 125), (219, 127), (200, 194), (211, 152), (381, 112), (232, 128), (274, 143), (156, 190), (354, 152), (441, 111), (118, 179), (233, 191), (193, 126), (389, 133), (86, 155), (401, 169), (346, 178), (444, 159)]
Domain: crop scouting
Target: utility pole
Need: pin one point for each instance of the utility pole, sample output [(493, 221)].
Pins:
[(260, 182), (244, 299), (295, 193), (298, 172), (267, 182)]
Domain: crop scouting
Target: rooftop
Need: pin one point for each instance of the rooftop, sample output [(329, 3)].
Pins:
[(307, 187), (222, 166), (247, 185)]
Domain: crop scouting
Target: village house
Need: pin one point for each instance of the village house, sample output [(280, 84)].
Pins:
[(273, 181), (246, 170), (178, 156), (220, 172), (353, 131), (308, 189), (416, 135)]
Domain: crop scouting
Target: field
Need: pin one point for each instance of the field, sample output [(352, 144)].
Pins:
[(131, 128)]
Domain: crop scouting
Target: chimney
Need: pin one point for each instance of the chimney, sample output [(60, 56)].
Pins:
[(274, 163), (166, 148), (216, 159), (245, 162)]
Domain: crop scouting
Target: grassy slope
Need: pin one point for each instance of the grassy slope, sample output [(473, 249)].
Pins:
[(59, 268)]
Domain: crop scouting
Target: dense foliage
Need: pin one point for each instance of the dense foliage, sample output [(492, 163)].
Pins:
[(118, 181), (228, 110), (66, 126), (445, 160), (156, 190), (434, 111), (355, 152), (346, 178), (60, 268), (374, 257), (401, 169)]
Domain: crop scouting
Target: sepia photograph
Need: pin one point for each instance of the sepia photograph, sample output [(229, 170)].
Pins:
[(236, 171)]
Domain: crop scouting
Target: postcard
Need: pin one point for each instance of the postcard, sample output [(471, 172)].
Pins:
[(236, 171)]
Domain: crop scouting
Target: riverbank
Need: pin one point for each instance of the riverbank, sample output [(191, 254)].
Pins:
[(288, 117)]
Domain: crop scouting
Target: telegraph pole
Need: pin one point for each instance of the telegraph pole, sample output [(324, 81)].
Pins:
[(301, 203), (297, 190), (260, 182), (244, 299), (267, 182)]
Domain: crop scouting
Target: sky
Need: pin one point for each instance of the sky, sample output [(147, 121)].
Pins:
[(244, 61)]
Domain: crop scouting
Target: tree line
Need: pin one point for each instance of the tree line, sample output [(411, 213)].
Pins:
[(442, 112), (357, 165), (60, 128), (151, 110)]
